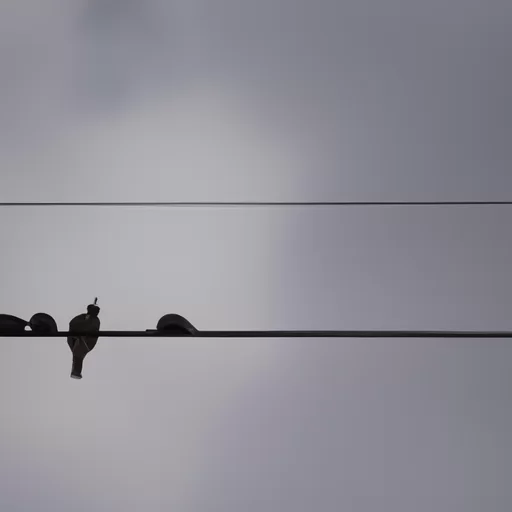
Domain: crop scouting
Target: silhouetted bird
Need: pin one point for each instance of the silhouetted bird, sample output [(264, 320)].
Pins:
[(80, 346)]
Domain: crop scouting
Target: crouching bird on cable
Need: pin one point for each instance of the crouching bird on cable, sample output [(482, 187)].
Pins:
[(88, 324)]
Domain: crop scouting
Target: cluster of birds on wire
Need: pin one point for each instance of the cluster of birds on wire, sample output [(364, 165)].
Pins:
[(41, 323), (84, 329)]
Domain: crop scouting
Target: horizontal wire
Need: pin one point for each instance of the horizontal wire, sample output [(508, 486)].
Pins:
[(244, 204), (268, 334)]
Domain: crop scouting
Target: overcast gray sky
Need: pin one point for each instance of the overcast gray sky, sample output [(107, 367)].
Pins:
[(264, 100)]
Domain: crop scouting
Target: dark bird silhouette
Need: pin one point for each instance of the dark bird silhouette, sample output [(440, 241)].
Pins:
[(81, 345), (11, 324)]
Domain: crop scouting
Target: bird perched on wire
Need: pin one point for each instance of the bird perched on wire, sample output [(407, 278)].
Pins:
[(80, 346)]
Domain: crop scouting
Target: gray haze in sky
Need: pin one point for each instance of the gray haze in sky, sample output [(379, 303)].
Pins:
[(232, 100)]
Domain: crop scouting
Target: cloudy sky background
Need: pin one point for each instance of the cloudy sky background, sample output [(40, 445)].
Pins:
[(222, 100)]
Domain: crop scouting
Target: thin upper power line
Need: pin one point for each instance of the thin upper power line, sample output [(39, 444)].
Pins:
[(249, 204)]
